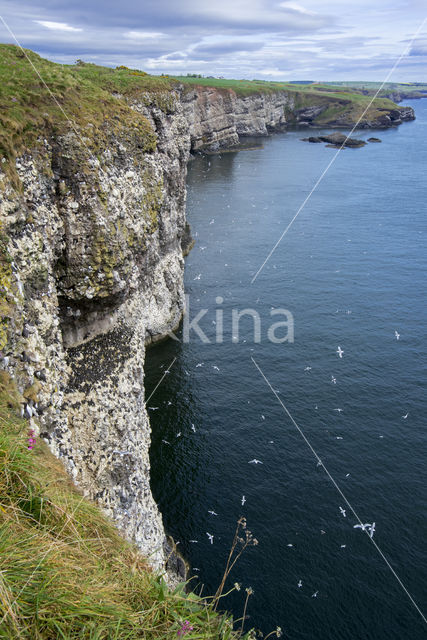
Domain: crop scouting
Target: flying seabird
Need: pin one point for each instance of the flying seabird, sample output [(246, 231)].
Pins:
[(300, 583), (397, 335), (404, 417), (315, 594), (340, 351), (342, 511), (243, 500), (212, 513), (362, 526), (255, 461), (210, 536)]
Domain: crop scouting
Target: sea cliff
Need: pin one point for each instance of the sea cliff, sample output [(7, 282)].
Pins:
[(93, 231)]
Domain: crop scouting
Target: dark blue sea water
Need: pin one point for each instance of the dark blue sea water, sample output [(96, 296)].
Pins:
[(351, 270)]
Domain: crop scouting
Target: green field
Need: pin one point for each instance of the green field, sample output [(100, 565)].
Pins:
[(417, 89)]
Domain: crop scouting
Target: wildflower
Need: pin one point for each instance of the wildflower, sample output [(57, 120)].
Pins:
[(278, 632), (237, 586), (249, 591), (186, 627), (31, 439)]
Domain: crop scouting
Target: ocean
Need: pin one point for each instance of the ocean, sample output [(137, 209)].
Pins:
[(349, 273)]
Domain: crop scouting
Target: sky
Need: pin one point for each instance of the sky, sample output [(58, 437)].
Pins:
[(267, 39)]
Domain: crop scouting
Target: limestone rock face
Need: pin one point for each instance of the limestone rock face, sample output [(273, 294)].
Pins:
[(218, 118), (97, 272)]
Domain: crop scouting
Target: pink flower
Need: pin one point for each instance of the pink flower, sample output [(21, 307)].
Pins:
[(31, 439), (186, 627)]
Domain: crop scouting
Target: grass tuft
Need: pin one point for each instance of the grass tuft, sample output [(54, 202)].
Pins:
[(65, 572)]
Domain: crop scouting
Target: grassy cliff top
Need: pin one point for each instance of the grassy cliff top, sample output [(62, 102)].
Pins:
[(65, 572), (408, 89), (311, 90), (83, 93)]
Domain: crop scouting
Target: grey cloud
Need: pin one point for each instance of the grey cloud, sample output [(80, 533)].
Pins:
[(239, 15), (234, 38), (419, 51), (419, 47), (221, 48)]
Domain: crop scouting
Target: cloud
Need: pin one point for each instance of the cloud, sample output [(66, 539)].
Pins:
[(144, 35), (419, 47), (282, 39), (57, 26), (293, 6), (225, 47)]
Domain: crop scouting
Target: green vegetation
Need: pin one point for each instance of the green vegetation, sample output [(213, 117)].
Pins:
[(84, 93), (65, 572), (407, 89), (241, 87)]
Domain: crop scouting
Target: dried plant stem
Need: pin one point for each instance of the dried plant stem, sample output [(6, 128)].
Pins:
[(248, 593), (231, 561)]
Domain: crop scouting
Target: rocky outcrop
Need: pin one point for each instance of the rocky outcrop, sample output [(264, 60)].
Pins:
[(93, 233), (336, 140), (217, 119), (398, 96)]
